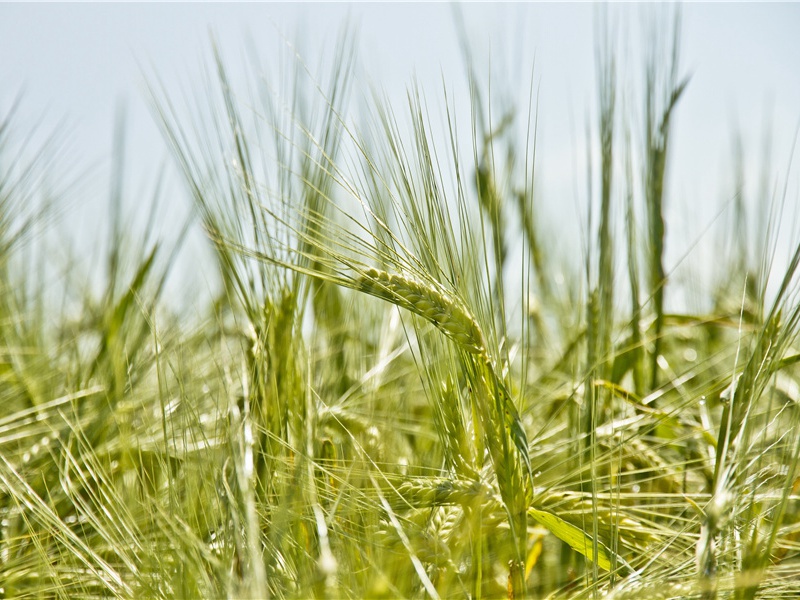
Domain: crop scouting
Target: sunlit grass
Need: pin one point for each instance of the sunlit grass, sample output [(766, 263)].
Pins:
[(390, 396)]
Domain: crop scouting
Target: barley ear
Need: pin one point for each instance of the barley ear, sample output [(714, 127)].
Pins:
[(445, 312)]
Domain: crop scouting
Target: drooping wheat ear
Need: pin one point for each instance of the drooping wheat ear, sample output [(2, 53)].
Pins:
[(446, 313)]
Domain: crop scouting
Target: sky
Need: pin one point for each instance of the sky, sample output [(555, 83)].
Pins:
[(76, 65)]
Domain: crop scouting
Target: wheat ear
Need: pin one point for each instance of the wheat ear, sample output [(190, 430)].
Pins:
[(446, 313)]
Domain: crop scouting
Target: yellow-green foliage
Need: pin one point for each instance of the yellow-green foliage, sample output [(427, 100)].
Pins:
[(364, 408)]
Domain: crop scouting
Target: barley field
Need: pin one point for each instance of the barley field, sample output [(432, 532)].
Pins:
[(400, 387)]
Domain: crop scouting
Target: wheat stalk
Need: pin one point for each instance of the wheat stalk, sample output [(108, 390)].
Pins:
[(506, 438)]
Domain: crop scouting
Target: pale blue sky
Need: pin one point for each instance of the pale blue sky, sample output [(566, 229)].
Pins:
[(76, 63)]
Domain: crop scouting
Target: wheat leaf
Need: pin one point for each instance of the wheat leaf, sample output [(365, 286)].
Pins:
[(579, 540)]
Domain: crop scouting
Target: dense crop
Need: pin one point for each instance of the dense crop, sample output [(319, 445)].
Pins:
[(396, 391)]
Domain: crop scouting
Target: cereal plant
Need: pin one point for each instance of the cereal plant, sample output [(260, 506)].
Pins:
[(399, 388)]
